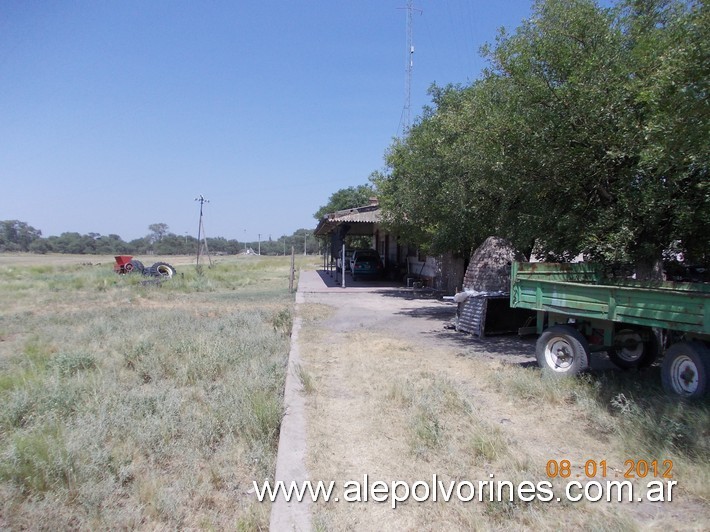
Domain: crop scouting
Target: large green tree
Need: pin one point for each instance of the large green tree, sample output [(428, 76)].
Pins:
[(346, 198), (440, 192), (157, 231), (588, 133), (17, 236)]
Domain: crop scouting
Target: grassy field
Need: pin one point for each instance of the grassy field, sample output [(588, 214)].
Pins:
[(132, 405), (129, 405)]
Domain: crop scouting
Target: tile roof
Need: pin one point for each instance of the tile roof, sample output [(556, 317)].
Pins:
[(369, 214)]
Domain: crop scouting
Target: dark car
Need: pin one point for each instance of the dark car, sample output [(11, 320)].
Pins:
[(366, 263)]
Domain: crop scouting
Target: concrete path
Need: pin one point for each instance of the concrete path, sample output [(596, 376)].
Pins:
[(378, 306), (290, 461)]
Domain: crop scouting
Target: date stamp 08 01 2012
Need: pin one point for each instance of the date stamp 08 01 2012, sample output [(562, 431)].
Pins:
[(633, 469)]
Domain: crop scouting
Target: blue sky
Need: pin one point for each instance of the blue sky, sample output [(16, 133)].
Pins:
[(117, 115)]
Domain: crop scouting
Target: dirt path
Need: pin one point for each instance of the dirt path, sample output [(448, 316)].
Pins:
[(396, 396)]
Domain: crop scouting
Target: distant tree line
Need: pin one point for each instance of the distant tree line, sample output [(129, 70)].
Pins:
[(20, 236)]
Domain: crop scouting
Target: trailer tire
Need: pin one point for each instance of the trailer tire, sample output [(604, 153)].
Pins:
[(162, 269), (631, 351), (562, 351), (134, 266), (685, 369)]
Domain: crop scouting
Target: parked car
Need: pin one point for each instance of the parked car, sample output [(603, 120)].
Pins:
[(366, 263), (348, 256)]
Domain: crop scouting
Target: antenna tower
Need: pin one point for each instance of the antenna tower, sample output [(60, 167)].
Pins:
[(201, 235), (406, 113)]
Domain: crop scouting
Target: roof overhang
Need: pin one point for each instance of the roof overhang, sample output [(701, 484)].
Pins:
[(360, 221)]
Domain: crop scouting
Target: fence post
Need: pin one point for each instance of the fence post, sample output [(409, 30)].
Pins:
[(291, 273)]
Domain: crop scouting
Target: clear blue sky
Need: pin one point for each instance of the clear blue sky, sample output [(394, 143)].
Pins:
[(116, 115)]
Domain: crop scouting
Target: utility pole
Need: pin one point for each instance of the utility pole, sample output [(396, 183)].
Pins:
[(259, 246), (201, 236), (305, 243)]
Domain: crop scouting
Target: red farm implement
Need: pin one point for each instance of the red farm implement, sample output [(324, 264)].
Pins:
[(127, 264)]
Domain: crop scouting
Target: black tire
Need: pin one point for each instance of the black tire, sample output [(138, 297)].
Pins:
[(134, 266), (685, 369), (634, 347), (162, 269), (562, 351)]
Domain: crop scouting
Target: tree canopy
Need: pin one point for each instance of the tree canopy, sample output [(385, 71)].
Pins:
[(589, 132), (17, 236), (346, 198)]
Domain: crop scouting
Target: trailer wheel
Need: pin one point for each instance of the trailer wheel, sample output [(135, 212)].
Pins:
[(631, 350), (562, 351), (685, 369), (162, 269)]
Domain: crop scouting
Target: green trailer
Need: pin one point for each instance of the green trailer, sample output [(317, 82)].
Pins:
[(579, 312)]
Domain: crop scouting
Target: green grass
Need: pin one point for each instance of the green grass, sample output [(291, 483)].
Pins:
[(307, 381), (129, 405)]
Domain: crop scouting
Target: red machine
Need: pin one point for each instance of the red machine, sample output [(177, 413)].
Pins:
[(127, 264)]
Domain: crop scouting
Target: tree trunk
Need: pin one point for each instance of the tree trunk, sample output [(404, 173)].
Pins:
[(649, 270)]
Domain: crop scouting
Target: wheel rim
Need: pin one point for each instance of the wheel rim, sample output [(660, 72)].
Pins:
[(629, 346), (684, 375), (558, 354), (164, 271)]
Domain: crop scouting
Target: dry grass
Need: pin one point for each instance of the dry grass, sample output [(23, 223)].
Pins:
[(131, 406), (315, 312), (391, 407)]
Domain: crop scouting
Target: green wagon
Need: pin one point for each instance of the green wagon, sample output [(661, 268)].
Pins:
[(579, 313)]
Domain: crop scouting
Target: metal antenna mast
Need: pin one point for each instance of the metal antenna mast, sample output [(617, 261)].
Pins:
[(406, 112), (201, 235)]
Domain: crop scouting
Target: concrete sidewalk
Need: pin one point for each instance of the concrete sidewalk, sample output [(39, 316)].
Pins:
[(383, 307), (290, 461), (324, 281)]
